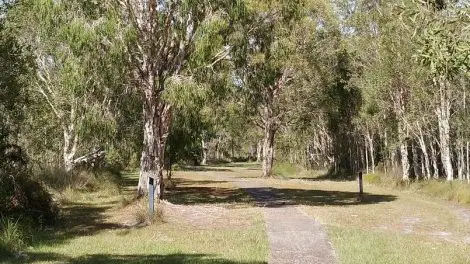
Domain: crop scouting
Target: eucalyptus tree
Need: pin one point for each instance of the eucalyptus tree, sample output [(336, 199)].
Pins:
[(443, 35), (66, 41), (162, 39), (265, 55)]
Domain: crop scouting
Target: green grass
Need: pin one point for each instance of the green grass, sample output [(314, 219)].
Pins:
[(355, 245), (13, 236), (91, 227)]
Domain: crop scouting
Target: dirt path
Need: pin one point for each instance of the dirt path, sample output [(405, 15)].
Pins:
[(293, 236)]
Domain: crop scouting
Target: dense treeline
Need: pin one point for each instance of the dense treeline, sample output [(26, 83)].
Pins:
[(337, 85)]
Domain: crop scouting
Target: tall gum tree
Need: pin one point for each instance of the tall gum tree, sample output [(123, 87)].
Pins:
[(162, 39), (264, 57), (443, 35), (63, 42)]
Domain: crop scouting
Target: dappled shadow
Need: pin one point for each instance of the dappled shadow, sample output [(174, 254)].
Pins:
[(131, 259), (77, 219), (202, 168), (274, 197), (206, 195), (181, 182), (245, 165)]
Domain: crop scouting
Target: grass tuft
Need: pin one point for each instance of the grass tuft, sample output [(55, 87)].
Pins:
[(13, 236), (143, 217)]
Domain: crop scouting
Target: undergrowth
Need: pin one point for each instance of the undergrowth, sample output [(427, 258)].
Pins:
[(14, 236), (452, 191)]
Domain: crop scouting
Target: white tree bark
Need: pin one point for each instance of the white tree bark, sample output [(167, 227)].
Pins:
[(443, 118), (422, 145), (405, 165), (259, 151), (435, 172), (70, 147), (204, 152)]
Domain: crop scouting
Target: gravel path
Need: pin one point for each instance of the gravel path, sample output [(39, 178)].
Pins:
[(293, 236)]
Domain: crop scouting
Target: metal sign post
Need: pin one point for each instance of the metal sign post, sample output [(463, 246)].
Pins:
[(151, 196)]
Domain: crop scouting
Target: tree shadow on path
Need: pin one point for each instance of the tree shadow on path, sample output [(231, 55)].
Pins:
[(278, 197), (131, 259)]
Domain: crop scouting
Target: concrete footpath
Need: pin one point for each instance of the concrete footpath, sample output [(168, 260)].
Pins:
[(294, 237)]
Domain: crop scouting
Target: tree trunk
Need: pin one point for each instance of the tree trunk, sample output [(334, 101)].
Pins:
[(405, 165), (70, 147), (366, 151), (371, 150), (443, 117), (460, 159), (268, 150), (217, 153), (435, 173), (259, 150), (415, 160), (422, 145), (157, 117), (204, 153), (467, 171)]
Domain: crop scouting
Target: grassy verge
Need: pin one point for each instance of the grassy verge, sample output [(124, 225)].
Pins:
[(355, 245), (206, 221), (451, 191)]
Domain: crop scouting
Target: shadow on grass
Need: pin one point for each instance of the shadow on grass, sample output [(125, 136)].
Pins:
[(184, 193), (325, 177), (77, 219), (202, 168), (273, 197), (131, 259), (206, 195)]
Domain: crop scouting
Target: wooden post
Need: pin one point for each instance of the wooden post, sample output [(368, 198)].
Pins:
[(361, 188), (151, 196)]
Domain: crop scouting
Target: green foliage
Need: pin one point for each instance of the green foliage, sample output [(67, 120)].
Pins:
[(188, 124)]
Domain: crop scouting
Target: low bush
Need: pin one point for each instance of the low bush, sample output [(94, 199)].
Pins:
[(20, 195)]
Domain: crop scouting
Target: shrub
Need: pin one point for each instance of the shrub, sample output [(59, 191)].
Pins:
[(19, 193)]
